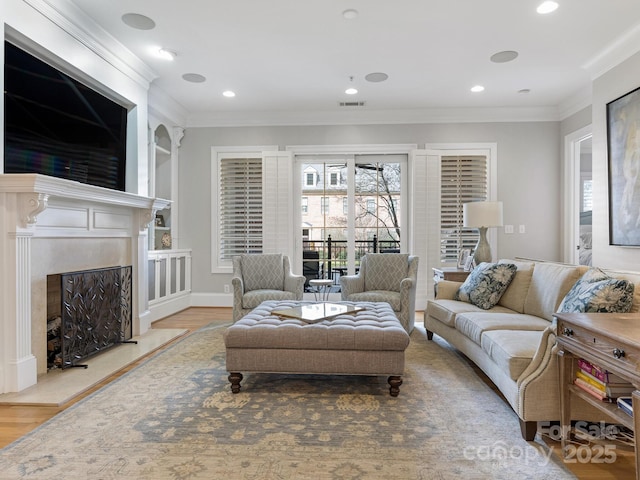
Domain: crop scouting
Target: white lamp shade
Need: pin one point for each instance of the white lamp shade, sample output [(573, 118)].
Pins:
[(482, 214)]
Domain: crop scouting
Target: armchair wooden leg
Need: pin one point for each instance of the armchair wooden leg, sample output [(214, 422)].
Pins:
[(528, 430), (429, 335)]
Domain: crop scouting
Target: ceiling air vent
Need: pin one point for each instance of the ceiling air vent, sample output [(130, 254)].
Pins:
[(351, 104)]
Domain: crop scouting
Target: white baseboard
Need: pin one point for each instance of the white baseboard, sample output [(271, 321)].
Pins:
[(168, 307), (211, 300)]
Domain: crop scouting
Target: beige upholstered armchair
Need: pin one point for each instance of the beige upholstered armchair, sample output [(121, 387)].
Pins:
[(260, 277), (385, 277)]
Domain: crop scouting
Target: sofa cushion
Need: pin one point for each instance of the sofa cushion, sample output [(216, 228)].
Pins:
[(596, 291), (511, 350), (445, 310), (392, 298), (486, 283), (474, 324), (255, 297), (550, 282), (516, 293), (385, 271)]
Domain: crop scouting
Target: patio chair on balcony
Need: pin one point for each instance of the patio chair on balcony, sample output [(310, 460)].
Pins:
[(385, 277), (260, 277), (311, 267)]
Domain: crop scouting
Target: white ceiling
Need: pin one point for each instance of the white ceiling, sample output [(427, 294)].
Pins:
[(291, 60)]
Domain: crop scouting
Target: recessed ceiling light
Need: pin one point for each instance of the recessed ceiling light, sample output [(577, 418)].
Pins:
[(376, 77), (194, 77), (350, 14), (137, 21), (477, 88), (351, 90), (547, 7), (229, 94), (166, 54), (505, 56)]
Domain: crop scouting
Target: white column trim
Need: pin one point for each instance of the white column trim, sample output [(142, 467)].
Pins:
[(21, 364)]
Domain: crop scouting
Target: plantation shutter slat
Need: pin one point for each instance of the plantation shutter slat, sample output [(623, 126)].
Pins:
[(241, 212), (463, 179)]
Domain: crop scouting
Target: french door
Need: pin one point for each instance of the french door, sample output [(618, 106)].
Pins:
[(350, 205)]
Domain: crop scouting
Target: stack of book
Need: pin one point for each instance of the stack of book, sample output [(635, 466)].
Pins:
[(600, 383)]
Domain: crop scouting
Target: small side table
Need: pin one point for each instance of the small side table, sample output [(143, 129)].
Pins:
[(610, 341), (454, 274), (321, 288)]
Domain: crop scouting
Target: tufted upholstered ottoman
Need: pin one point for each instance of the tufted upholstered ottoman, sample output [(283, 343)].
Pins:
[(368, 342)]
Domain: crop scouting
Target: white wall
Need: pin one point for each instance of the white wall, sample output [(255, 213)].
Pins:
[(529, 168), (611, 85)]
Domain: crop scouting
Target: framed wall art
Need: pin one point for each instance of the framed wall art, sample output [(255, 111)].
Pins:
[(623, 149)]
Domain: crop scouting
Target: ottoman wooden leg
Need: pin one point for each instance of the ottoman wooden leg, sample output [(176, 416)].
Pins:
[(395, 382), (235, 378)]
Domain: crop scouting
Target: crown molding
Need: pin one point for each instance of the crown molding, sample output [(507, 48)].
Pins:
[(86, 31), (576, 102), (373, 117), (626, 45)]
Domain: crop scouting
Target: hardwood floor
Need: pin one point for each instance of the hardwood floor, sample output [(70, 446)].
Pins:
[(16, 421)]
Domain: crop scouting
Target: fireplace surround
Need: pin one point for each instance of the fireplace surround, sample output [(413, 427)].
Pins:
[(51, 225)]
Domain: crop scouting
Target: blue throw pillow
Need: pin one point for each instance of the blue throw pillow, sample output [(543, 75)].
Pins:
[(486, 283), (596, 292)]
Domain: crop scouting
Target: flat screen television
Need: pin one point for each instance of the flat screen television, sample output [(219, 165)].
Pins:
[(55, 125)]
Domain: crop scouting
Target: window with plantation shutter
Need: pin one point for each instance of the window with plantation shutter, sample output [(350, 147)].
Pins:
[(464, 178), (240, 207)]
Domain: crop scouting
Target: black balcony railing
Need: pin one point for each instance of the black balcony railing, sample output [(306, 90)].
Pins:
[(328, 258)]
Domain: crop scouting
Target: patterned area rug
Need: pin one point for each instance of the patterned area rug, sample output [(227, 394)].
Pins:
[(174, 417)]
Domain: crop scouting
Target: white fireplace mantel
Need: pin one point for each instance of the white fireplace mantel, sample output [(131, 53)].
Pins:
[(38, 206), (45, 187)]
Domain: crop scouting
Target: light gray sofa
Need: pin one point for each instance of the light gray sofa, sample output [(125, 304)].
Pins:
[(514, 342)]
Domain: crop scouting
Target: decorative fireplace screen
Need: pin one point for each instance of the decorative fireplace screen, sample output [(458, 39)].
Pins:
[(87, 312)]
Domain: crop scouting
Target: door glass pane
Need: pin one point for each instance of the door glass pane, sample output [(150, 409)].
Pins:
[(377, 197), (324, 222)]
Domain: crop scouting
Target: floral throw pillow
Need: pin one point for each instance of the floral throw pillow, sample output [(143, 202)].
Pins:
[(596, 292), (486, 283)]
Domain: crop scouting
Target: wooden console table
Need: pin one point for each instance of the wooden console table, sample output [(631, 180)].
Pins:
[(611, 341)]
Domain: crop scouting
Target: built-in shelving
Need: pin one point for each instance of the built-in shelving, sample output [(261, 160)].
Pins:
[(160, 236)]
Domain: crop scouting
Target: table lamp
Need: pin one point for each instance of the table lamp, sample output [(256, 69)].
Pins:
[(482, 215)]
